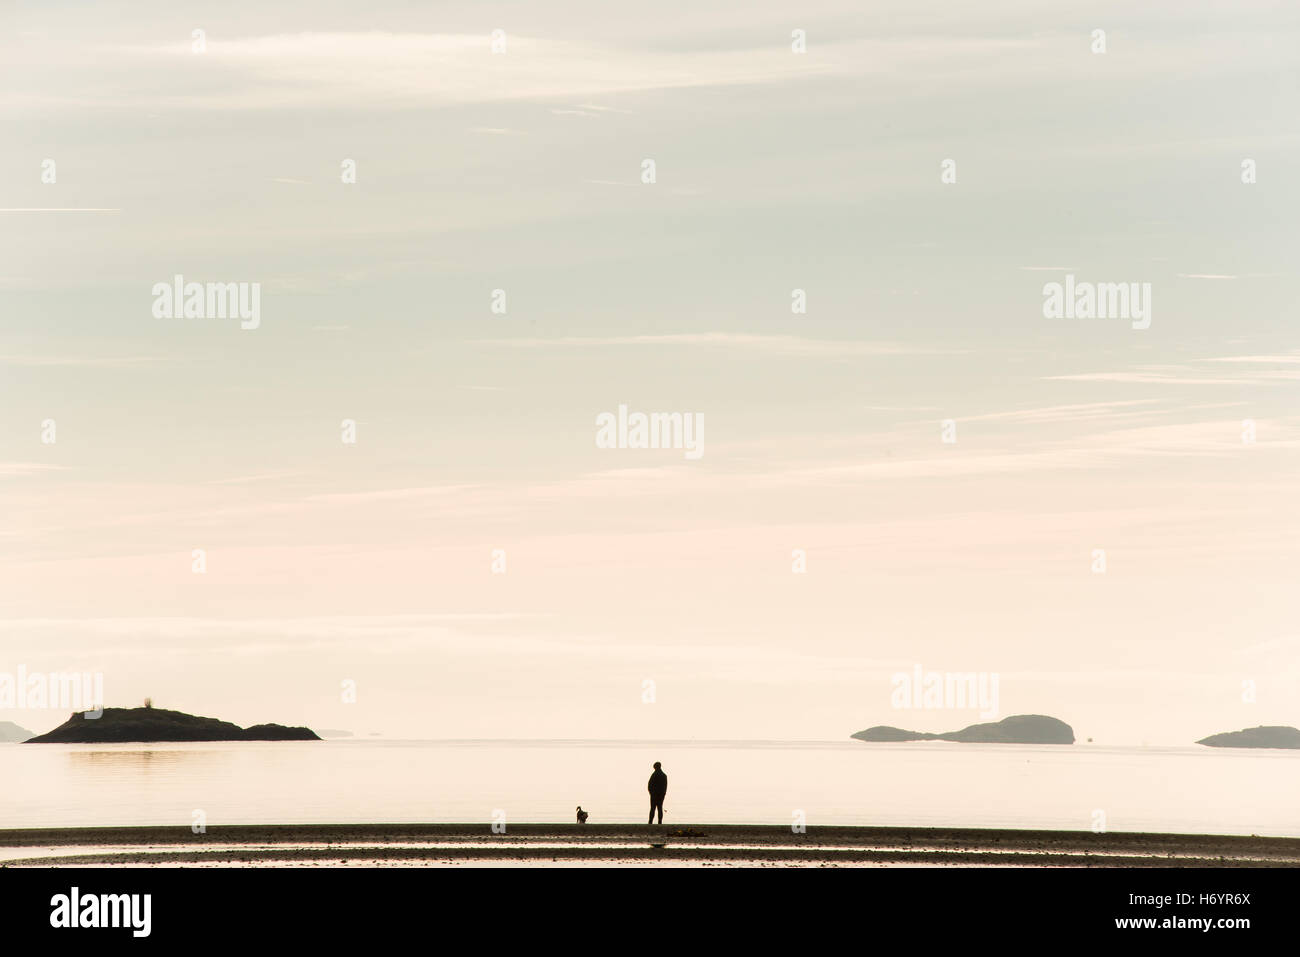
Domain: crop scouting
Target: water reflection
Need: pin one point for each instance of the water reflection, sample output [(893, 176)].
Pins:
[(144, 759), (923, 784)]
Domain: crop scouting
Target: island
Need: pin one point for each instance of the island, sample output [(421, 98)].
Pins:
[(1265, 736), (159, 724), (1016, 729), (11, 733)]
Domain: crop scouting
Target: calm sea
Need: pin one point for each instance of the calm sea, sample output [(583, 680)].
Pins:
[(1189, 790)]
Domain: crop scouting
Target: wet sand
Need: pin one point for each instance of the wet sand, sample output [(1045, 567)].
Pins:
[(424, 845)]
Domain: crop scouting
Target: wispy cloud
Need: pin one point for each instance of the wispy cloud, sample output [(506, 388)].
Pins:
[(403, 69), (1063, 413), (27, 360), (16, 469), (1186, 375), (248, 479), (775, 345), (1146, 378), (440, 491)]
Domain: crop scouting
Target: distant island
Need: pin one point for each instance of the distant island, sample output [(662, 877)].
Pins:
[(1265, 736), (1016, 729), (11, 733), (159, 724)]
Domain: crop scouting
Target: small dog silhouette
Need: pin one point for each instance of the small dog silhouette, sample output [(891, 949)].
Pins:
[(582, 815)]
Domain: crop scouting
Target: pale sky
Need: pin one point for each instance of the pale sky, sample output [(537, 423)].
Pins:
[(775, 171)]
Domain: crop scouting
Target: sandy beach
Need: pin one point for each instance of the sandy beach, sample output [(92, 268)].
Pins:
[(425, 845)]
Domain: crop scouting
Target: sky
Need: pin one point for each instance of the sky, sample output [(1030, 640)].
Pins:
[(645, 594)]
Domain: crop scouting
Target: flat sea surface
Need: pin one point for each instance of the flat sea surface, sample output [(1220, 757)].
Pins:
[(940, 784)]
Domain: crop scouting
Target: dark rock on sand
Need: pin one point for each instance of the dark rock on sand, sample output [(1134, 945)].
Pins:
[(1265, 736), (1016, 729), (159, 724)]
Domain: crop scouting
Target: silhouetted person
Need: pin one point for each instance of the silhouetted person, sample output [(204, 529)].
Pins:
[(582, 815), (658, 787)]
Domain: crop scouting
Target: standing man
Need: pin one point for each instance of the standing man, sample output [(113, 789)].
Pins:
[(657, 787)]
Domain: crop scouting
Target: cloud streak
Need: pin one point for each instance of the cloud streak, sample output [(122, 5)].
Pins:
[(773, 345)]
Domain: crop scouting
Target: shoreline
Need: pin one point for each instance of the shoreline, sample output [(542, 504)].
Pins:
[(416, 845)]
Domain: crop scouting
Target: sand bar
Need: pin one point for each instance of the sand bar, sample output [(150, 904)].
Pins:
[(638, 845)]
